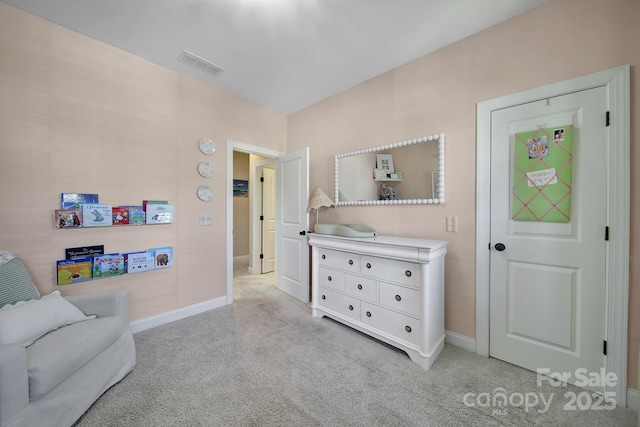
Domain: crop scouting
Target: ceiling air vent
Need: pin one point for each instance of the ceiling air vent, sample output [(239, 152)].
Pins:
[(199, 63)]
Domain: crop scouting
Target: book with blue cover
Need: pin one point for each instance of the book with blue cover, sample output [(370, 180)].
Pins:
[(74, 200)]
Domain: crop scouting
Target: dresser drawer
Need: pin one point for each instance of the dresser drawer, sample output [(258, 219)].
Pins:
[(361, 287), (340, 303), (399, 325), (400, 298), (406, 273), (330, 278), (336, 259)]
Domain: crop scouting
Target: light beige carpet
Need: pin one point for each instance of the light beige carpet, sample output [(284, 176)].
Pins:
[(264, 361)]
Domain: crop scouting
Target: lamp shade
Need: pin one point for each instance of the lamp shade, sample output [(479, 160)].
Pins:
[(318, 200)]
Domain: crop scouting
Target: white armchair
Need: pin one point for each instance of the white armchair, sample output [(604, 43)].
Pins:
[(52, 379)]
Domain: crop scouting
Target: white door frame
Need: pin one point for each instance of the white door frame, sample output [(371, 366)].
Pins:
[(244, 148), (617, 82)]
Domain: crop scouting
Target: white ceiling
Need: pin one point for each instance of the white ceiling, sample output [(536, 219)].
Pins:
[(283, 54)]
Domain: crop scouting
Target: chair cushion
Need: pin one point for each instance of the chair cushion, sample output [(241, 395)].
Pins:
[(15, 281), (60, 353), (25, 322)]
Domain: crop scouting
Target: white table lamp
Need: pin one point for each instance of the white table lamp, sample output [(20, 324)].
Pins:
[(319, 200)]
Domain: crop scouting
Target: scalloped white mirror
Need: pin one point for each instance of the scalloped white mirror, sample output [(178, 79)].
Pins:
[(410, 172)]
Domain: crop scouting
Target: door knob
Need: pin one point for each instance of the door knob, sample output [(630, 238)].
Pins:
[(500, 247), (303, 233)]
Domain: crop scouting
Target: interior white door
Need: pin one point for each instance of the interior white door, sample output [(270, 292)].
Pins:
[(548, 265), (292, 250), (268, 220)]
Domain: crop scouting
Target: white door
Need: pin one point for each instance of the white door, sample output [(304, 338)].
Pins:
[(268, 214), (292, 250), (548, 223)]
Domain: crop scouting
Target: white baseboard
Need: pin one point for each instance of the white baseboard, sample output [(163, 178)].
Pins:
[(178, 314), (632, 399), (461, 341), (241, 259)]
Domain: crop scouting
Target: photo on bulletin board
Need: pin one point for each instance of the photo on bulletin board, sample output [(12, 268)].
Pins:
[(542, 174), (240, 188)]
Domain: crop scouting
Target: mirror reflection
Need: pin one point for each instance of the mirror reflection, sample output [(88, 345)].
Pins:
[(407, 172)]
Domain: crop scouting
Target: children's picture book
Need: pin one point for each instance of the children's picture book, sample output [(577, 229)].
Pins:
[(84, 252), (73, 271), (68, 218), (108, 265), (153, 202), (74, 200), (136, 215), (137, 262), (159, 213), (96, 215), (162, 257), (120, 215)]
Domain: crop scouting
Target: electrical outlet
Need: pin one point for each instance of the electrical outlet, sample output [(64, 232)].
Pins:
[(452, 224)]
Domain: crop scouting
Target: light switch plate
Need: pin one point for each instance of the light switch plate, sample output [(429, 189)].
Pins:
[(205, 220)]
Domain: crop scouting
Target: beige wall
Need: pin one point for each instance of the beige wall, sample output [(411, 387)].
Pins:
[(77, 115), (241, 214), (439, 92)]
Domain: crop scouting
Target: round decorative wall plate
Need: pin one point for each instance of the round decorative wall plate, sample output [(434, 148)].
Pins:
[(205, 193), (207, 146), (206, 169)]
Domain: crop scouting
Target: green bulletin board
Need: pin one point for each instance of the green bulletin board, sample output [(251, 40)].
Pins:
[(542, 175)]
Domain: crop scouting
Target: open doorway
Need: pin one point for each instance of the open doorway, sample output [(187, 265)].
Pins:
[(244, 204), (253, 213)]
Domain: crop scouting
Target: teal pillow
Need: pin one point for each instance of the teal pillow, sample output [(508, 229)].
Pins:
[(16, 283)]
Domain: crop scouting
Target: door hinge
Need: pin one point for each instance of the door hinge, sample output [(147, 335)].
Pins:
[(262, 179), (261, 217), (604, 347), (607, 118), (606, 233), (261, 256)]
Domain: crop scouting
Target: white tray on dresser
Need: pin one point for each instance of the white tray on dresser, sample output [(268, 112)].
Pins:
[(391, 288)]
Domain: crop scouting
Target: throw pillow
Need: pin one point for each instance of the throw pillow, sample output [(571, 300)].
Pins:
[(16, 283), (26, 321)]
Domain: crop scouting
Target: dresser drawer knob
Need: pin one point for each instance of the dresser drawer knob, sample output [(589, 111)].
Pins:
[(368, 314), (359, 286), (407, 273), (324, 256), (398, 298), (350, 307), (368, 265), (407, 328), (350, 262), (329, 278), (324, 297)]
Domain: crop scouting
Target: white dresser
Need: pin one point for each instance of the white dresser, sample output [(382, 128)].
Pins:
[(391, 288)]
